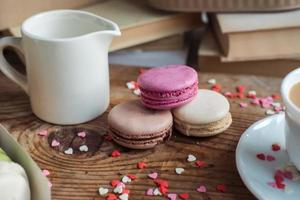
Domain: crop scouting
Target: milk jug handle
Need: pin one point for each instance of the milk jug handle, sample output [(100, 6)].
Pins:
[(6, 68)]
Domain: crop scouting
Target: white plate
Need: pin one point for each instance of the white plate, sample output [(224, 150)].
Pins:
[(256, 173)]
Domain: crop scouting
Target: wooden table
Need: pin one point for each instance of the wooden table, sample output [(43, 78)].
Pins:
[(79, 176)]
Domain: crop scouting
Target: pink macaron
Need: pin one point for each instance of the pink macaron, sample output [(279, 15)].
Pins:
[(168, 86)]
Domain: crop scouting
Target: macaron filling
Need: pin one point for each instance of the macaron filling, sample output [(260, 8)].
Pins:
[(142, 142), (160, 99)]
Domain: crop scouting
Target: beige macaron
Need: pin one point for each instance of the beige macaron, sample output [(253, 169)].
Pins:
[(207, 115)]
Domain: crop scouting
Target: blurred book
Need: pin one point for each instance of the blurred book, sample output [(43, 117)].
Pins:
[(210, 60), (170, 50), (138, 22), (258, 36)]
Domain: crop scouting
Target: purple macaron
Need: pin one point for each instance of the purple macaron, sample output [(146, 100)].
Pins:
[(168, 86)]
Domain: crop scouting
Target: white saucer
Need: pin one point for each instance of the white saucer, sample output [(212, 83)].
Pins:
[(256, 173)]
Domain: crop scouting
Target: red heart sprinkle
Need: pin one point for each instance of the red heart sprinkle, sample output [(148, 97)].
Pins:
[(163, 190), (216, 87), (221, 188), (114, 183), (270, 158), (200, 163), (275, 147), (115, 153), (160, 182), (125, 191), (111, 197), (141, 165), (275, 96), (184, 196), (240, 89), (131, 176), (261, 156)]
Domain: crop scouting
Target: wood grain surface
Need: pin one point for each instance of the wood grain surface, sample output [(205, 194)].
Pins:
[(79, 176)]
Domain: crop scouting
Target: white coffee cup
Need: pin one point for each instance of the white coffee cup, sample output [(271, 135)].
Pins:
[(292, 118), (66, 56)]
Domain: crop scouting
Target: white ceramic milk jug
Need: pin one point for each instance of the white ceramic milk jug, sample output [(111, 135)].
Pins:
[(66, 56)]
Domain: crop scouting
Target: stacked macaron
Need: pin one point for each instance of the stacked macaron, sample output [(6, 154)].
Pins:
[(144, 123)]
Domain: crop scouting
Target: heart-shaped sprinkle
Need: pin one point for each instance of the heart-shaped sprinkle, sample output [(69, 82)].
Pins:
[(240, 89), (161, 183), (221, 188), (153, 175), (212, 81), (229, 94), (118, 190), (261, 156), (114, 183), (172, 196), (83, 148), (251, 94), (115, 153), (69, 151), (270, 158), (45, 172), (200, 163), (137, 92), (156, 192), (111, 197), (81, 134), (123, 196), (201, 189), (43, 133), (191, 158), (270, 112), (163, 190), (126, 179), (179, 170), (55, 143), (255, 101), (131, 176), (102, 191), (275, 147), (141, 165), (126, 191), (149, 192), (184, 196)]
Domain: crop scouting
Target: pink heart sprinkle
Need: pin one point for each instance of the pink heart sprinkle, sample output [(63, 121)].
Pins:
[(121, 184), (172, 196), (153, 175), (272, 184), (46, 172), (55, 143), (149, 192), (201, 189), (270, 158), (243, 105), (81, 134), (43, 133)]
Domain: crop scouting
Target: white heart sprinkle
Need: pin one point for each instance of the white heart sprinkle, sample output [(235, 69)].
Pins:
[(137, 92), (179, 170), (130, 85), (69, 151), (212, 81), (118, 189), (191, 158), (83, 148), (123, 196), (252, 92), (156, 192), (103, 191), (126, 179), (270, 112)]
